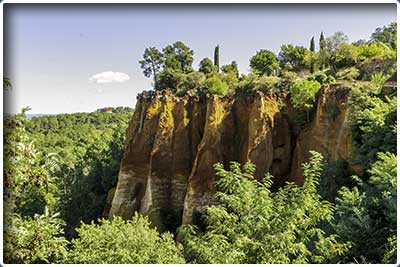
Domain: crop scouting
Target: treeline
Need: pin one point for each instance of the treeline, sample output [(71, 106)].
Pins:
[(334, 58)]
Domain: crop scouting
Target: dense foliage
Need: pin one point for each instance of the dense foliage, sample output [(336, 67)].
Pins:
[(119, 241), (254, 225), (32, 230), (88, 147), (366, 214)]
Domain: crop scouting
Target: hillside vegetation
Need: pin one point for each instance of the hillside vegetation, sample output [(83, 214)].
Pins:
[(59, 169)]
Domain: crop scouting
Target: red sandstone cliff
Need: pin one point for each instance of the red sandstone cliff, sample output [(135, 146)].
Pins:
[(172, 144)]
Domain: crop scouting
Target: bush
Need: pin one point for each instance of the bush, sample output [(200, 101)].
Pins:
[(121, 242), (34, 240), (323, 77), (320, 77), (251, 224), (215, 86), (266, 84), (192, 81), (350, 73), (303, 93), (379, 79), (288, 78), (372, 50), (230, 78), (366, 214)]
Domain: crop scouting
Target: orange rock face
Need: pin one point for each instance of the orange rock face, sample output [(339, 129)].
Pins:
[(172, 144)]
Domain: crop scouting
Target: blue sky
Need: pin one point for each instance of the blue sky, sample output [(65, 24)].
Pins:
[(52, 51)]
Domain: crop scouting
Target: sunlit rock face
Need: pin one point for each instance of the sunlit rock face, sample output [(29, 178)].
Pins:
[(173, 142)]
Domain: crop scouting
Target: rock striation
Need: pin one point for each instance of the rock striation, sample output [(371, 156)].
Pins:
[(173, 142)]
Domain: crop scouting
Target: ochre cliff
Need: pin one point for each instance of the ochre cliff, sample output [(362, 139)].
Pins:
[(173, 142)]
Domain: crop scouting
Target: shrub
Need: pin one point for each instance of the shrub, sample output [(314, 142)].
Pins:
[(372, 50), (350, 73), (266, 84), (215, 86), (379, 79), (288, 78), (303, 93), (320, 77), (34, 240), (254, 225), (119, 242), (192, 81), (230, 79)]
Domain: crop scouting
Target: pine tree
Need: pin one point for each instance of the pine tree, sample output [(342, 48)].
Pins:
[(216, 58), (312, 45)]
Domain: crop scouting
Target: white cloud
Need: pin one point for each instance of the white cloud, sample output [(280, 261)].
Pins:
[(109, 77)]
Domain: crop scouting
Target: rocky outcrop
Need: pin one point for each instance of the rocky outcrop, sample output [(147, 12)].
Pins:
[(173, 142), (328, 133)]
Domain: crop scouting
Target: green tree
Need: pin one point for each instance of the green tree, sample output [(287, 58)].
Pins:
[(171, 79), (206, 66), (322, 43), (34, 240), (292, 57), (336, 52), (264, 62), (216, 58), (151, 62), (312, 61), (178, 56), (302, 94), (312, 45), (366, 214), (386, 34), (251, 224), (88, 148), (374, 123), (33, 233), (214, 85), (123, 242), (231, 68)]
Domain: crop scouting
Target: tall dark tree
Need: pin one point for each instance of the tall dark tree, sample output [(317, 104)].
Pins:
[(151, 62), (312, 45), (216, 58), (178, 56), (322, 43)]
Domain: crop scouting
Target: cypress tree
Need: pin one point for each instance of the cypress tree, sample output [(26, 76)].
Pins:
[(321, 42), (312, 45), (322, 46), (312, 49), (216, 58)]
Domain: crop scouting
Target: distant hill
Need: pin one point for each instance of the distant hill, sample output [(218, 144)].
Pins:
[(30, 116)]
